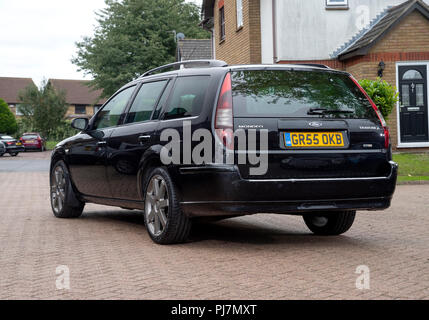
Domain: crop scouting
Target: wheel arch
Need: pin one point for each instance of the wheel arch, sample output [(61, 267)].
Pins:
[(150, 159), (74, 195)]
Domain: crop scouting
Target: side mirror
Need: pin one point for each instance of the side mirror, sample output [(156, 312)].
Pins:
[(80, 124)]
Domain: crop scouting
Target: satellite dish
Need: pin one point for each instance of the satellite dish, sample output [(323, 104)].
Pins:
[(180, 36)]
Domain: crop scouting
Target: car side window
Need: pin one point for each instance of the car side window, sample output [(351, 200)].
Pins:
[(162, 100), (187, 97), (145, 101), (111, 113)]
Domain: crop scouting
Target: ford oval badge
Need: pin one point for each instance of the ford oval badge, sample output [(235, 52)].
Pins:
[(315, 124)]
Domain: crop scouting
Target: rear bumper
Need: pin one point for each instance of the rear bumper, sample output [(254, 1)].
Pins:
[(32, 146), (15, 149), (220, 190)]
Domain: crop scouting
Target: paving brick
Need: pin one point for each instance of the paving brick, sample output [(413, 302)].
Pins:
[(110, 255)]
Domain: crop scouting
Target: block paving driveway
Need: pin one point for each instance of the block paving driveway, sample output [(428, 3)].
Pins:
[(110, 255)]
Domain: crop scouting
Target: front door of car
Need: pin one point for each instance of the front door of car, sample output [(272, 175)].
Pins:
[(128, 142), (87, 153)]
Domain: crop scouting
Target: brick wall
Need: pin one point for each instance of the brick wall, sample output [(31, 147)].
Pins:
[(243, 45), (407, 41)]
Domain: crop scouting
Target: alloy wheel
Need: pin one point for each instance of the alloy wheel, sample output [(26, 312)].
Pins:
[(156, 205), (58, 189)]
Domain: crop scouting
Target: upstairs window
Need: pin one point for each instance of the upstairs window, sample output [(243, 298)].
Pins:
[(337, 4), (239, 5), (222, 23), (80, 109), (18, 110)]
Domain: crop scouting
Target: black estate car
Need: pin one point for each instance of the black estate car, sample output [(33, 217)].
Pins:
[(288, 139)]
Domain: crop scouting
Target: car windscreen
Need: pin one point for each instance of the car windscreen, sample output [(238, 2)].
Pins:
[(293, 93)]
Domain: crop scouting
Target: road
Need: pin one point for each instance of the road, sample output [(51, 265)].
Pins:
[(110, 256)]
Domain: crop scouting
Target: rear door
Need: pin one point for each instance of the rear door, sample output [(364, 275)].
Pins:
[(319, 124), (128, 142)]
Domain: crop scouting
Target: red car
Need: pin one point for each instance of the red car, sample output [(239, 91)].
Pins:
[(33, 140)]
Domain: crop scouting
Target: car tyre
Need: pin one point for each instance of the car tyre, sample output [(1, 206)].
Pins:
[(64, 202), (330, 223), (13, 154), (164, 219)]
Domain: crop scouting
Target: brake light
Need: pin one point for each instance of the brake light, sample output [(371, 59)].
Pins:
[(377, 111), (224, 117)]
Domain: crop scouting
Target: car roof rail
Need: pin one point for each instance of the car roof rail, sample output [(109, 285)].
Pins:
[(317, 65), (205, 63)]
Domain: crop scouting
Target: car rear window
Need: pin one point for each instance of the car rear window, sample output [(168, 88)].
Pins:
[(287, 93), (29, 137), (188, 97), (6, 137)]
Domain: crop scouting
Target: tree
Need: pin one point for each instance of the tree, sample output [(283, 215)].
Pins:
[(382, 93), (42, 109), (133, 36), (7, 119)]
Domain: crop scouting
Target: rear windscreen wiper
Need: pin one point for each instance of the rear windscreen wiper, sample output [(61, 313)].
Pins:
[(319, 111)]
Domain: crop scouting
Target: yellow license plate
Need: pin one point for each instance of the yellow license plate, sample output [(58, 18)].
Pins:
[(314, 139), (18, 143), (30, 141)]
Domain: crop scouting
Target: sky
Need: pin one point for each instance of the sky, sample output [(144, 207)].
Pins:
[(37, 38)]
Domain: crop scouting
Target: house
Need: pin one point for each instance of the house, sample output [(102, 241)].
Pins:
[(194, 49), (82, 100), (388, 38), (9, 91)]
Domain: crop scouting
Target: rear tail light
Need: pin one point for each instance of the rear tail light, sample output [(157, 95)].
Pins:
[(380, 116), (224, 118)]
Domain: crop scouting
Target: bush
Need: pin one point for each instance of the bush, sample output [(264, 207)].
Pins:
[(7, 119), (64, 130), (382, 93), (43, 108)]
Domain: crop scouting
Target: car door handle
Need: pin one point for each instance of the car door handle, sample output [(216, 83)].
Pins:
[(101, 143), (143, 139)]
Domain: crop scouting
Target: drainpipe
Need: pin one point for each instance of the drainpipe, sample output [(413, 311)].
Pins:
[(274, 32), (212, 31)]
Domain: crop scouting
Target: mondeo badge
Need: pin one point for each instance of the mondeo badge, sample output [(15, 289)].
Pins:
[(315, 124)]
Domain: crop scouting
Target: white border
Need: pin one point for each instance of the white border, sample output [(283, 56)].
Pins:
[(410, 144)]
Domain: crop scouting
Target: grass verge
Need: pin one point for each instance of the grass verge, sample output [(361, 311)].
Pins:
[(412, 166), (51, 144)]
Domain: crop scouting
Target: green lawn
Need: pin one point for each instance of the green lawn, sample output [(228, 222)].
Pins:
[(412, 166), (51, 144)]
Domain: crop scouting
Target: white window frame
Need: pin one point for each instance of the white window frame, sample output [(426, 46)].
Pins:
[(332, 3), (239, 9), (17, 112), (403, 145)]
